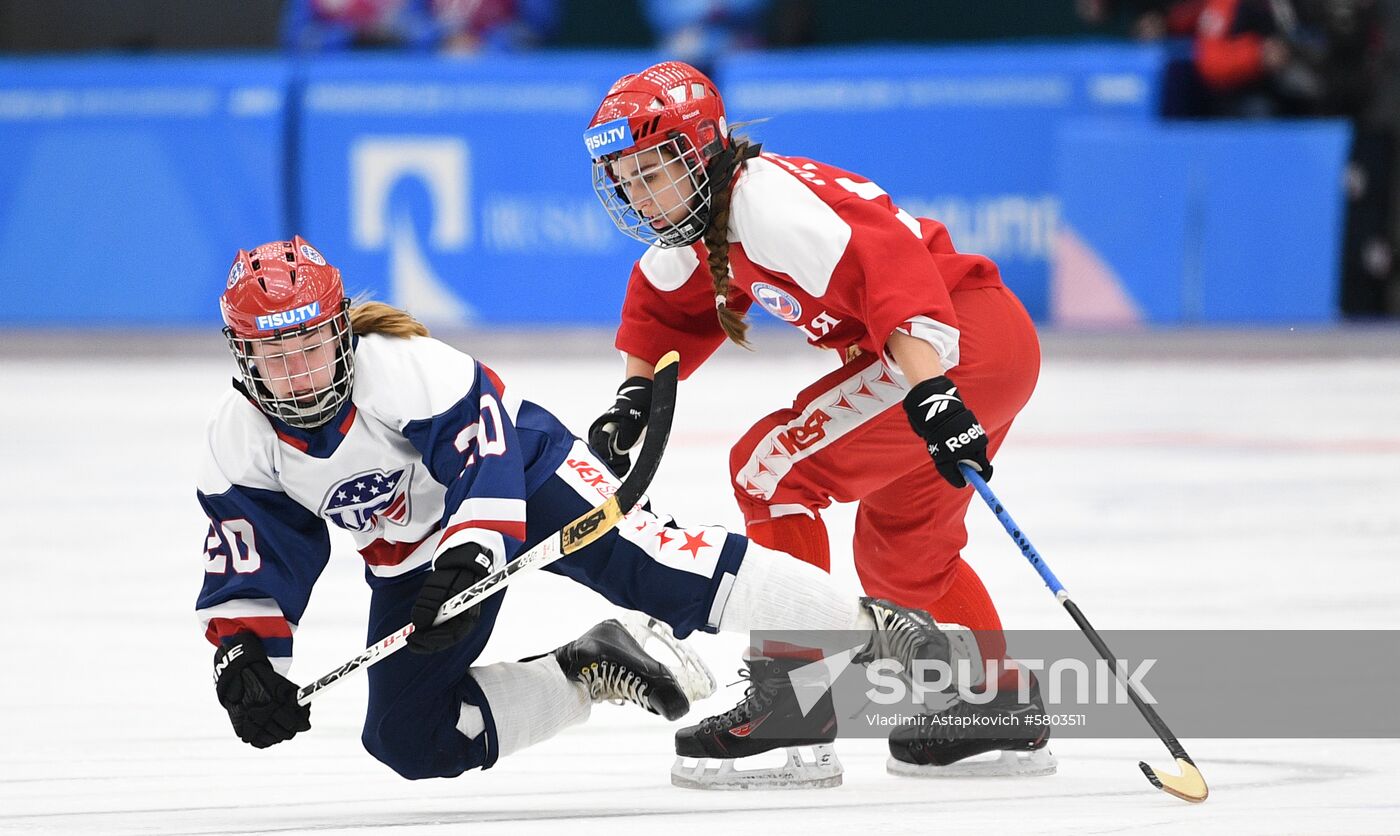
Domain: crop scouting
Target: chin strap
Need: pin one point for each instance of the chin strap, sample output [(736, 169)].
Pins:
[(725, 164)]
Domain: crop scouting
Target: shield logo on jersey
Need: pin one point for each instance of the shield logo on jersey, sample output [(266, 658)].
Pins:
[(360, 502), (777, 302)]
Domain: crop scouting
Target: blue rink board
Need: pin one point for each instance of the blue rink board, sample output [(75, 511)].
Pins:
[(129, 183), (460, 188), (965, 135), (1211, 222)]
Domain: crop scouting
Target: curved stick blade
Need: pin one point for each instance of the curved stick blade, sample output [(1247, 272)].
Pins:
[(1188, 786)]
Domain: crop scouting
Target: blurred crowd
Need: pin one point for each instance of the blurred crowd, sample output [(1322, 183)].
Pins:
[(1254, 59), (1259, 58), (696, 31), (418, 25)]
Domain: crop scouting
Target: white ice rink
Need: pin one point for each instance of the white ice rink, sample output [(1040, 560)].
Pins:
[(1171, 480)]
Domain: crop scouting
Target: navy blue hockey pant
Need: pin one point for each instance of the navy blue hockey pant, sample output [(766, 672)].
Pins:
[(648, 563)]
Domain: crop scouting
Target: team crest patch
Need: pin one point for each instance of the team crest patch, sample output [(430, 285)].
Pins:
[(360, 502), (235, 273), (309, 252), (777, 302)]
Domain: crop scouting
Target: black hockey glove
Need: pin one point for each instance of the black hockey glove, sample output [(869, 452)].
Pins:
[(617, 430), (261, 702), (453, 571), (951, 430)]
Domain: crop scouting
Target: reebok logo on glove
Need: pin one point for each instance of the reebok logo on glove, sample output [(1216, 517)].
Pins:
[(938, 403), (963, 439)]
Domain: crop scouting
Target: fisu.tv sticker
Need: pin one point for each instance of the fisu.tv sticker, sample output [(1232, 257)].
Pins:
[(309, 252), (608, 137), (286, 319), (777, 302)]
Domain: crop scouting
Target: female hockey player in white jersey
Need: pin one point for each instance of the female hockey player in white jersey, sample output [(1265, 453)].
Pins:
[(352, 416)]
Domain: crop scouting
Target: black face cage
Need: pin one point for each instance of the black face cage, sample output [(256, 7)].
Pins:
[(696, 179), (267, 367)]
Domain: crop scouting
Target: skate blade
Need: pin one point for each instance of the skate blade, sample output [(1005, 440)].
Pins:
[(818, 769), (685, 664), (1006, 764)]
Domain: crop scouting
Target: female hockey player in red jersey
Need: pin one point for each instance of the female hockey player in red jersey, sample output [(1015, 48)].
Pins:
[(355, 417), (915, 323)]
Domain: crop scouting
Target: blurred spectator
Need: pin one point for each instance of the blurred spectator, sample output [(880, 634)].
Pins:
[(418, 25), (699, 31), (330, 25), (496, 25), (1145, 20), (1289, 57), (1263, 58)]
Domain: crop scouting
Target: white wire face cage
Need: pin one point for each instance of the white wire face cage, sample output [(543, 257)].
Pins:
[(292, 363), (679, 178)]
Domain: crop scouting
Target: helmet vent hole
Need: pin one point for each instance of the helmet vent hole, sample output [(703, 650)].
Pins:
[(257, 264), (291, 257)]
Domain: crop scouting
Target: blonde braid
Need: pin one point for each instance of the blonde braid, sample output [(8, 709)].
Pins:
[(379, 318)]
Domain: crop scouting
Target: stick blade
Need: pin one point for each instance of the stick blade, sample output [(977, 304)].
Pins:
[(1188, 786), (663, 409)]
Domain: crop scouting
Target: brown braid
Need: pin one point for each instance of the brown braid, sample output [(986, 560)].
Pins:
[(717, 240)]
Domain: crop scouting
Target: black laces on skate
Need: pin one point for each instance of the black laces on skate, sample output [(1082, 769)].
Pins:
[(757, 696)]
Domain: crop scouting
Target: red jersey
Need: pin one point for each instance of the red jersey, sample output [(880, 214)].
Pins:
[(820, 248)]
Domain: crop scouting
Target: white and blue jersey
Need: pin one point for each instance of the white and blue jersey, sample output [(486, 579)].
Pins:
[(431, 451)]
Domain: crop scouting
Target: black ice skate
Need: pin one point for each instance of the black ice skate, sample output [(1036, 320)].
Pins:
[(613, 666), (768, 718), (942, 742), (903, 634)]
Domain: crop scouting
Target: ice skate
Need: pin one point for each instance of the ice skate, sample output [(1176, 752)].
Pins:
[(903, 634), (686, 665), (950, 743), (610, 663), (770, 718)]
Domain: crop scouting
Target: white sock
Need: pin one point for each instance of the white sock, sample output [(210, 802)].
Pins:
[(776, 591), (531, 702)]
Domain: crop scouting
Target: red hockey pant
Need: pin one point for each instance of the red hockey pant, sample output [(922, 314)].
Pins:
[(846, 439)]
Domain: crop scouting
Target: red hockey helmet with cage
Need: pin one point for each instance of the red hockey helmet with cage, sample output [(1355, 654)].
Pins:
[(662, 100), (287, 321), (277, 286), (669, 106)]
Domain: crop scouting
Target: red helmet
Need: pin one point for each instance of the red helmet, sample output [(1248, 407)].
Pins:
[(673, 108), (287, 321)]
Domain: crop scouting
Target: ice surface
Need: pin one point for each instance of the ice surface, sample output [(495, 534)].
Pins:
[(1221, 487)]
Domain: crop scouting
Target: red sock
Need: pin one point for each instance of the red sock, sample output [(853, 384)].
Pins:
[(967, 603), (797, 534)]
